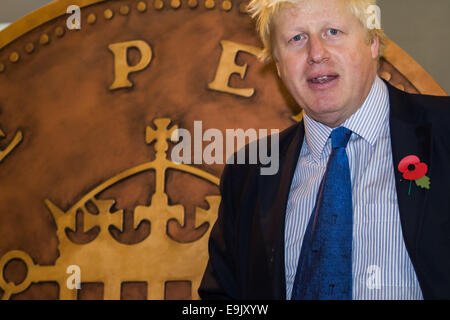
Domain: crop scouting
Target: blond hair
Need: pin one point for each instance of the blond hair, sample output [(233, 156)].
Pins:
[(265, 10)]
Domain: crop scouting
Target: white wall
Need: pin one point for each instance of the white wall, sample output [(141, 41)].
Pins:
[(421, 28), (3, 25)]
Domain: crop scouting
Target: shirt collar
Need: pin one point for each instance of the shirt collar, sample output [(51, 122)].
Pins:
[(366, 122)]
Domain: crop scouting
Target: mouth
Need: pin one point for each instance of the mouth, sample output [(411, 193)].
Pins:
[(323, 79)]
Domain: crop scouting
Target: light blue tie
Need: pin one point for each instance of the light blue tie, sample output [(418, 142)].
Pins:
[(324, 270)]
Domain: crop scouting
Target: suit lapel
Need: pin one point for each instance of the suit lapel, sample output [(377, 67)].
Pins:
[(269, 218), (410, 135)]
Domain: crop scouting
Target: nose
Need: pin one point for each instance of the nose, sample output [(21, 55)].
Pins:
[(318, 52)]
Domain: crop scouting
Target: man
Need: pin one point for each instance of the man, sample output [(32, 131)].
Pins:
[(350, 214)]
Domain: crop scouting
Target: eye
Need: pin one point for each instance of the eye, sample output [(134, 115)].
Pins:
[(333, 32), (298, 37)]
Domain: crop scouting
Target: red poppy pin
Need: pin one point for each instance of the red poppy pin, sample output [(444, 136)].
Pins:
[(414, 170)]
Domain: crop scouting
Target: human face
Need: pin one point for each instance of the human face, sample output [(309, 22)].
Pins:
[(324, 59)]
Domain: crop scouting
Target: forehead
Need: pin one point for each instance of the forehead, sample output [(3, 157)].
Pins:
[(306, 12)]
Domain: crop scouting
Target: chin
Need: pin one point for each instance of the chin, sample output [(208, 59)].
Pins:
[(325, 107), (324, 112)]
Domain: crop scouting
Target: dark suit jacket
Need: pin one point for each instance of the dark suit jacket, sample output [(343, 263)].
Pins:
[(246, 246)]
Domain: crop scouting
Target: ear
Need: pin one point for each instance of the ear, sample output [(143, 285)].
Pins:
[(374, 46), (277, 64), (276, 60)]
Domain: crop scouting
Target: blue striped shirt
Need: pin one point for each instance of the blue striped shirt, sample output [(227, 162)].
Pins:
[(381, 266)]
